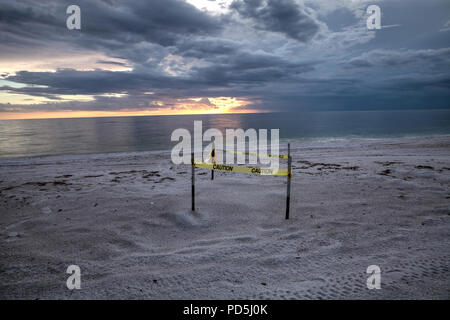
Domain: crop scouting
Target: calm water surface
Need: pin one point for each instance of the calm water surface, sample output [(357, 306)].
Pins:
[(40, 137)]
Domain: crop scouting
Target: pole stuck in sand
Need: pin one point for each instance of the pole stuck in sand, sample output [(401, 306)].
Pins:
[(288, 194), (193, 182), (213, 159)]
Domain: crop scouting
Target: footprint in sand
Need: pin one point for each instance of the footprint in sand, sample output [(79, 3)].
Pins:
[(165, 178), (46, 210), (13, 236)]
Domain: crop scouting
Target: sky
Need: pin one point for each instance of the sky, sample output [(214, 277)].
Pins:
[(148, 57)]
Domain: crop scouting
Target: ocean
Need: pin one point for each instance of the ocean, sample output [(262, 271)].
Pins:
[(42, 137)]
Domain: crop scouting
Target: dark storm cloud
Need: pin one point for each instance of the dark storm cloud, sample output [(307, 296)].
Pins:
[(67, 81), (112, 63), (111, 26), (162, 22), (430, 58), (284, 16), (252, 69), (244, 68), (176, 52), (207, 48), (15, 13)]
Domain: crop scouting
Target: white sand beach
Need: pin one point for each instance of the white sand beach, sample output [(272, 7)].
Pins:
[(125, 219)]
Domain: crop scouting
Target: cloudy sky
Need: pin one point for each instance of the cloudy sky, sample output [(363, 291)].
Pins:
[(205, 56)]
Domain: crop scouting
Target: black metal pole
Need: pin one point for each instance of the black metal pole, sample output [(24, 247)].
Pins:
[(193, 182), (213, 154), (288, 195)]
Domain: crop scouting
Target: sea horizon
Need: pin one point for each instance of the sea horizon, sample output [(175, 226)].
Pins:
[(122, 134)]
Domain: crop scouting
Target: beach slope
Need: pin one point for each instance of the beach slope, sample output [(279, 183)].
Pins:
[(125, 220)]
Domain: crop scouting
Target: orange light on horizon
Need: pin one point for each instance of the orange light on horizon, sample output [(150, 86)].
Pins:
[(102, 114), (220, 105)]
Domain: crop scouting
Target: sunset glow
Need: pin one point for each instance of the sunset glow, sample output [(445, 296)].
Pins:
[(219, 105)]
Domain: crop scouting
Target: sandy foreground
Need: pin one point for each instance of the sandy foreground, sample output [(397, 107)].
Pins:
[(125, 219)]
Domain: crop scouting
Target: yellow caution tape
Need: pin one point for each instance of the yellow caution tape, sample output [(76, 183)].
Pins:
[(281, 156), (224, 167)]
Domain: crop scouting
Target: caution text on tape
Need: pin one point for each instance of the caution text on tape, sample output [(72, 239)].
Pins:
[(251, 170)]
